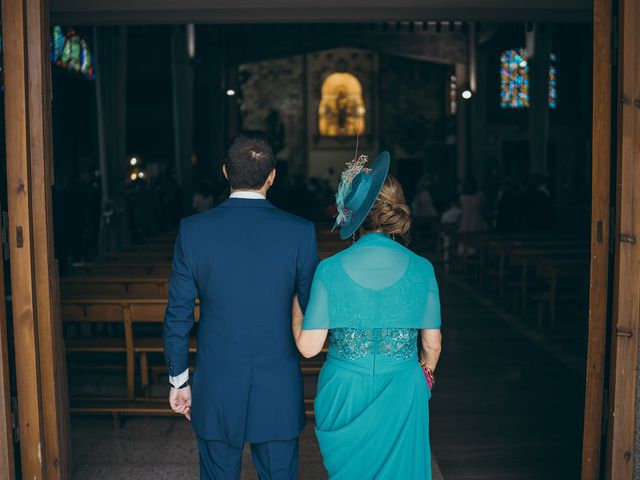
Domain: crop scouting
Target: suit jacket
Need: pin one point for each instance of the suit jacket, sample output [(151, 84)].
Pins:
[(245, 260)]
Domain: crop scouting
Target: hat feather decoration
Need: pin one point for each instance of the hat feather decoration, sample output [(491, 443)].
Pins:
[(352, 170)]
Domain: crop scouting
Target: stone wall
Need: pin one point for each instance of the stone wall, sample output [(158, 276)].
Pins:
[(412, 104), (272, 95)]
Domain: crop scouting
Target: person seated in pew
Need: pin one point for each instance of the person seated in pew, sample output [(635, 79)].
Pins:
[(450, 216), (473, 204)]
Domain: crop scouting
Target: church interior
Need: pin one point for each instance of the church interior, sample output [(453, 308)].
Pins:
[(490, 122)]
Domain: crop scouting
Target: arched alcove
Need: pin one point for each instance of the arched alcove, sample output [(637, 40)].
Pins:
[(342, 110)]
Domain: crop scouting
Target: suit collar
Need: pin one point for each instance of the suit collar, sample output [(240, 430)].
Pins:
[(247, 202)]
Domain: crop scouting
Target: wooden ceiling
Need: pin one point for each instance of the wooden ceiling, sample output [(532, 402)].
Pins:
[(94, 12)]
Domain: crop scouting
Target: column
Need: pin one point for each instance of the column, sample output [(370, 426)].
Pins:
[(182, 91), (111, 97), (538, 98)]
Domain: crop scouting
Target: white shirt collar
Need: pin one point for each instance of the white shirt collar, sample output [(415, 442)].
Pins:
[(248, 195)]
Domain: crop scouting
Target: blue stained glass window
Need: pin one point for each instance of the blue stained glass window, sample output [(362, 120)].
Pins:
[(553, 81), (57, 43), (71, 52), (514, 79)]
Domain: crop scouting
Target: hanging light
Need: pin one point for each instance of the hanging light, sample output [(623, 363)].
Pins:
[(140, 174), (231, 92), (133, 176), (466, 94), (133, 162)]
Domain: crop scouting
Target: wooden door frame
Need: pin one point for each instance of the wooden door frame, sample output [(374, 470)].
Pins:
[(7, 458), (625, 324), (39, 353), (600, 253), (29, 163)]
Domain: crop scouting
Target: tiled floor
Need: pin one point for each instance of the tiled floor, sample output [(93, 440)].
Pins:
[(506, 406), (157, 449), (160, 449)]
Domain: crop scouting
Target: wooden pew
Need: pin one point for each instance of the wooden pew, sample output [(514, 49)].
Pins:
[(528, 260), (554, 271), (129, 269), (504, 249), (140, 287), (136, 406), (122, 311), (138, 256), (151, 312), (101, 312)]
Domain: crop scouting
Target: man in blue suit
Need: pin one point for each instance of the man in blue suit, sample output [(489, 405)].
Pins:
[(245, 260)]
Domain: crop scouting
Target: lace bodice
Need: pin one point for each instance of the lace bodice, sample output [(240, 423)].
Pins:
[(353, 343)]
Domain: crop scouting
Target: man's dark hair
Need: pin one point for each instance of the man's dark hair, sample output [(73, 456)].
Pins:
[(249, 160)]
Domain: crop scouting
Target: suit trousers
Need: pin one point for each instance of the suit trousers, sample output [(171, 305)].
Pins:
[(276, 460)]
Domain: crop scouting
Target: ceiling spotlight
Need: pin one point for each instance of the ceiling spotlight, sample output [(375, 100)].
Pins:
[(140, 174), (133, 176), (466, 94), (133, 161), (231, 92), (523, 63)]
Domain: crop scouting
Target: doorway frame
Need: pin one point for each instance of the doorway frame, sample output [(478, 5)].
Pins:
[(40, 361), (42, 384)]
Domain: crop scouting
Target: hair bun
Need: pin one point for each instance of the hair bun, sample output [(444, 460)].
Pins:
[(390, 213)]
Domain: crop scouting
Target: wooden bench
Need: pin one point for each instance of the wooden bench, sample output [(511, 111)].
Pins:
[(128, 269), (139, 256), (528, 260), (134, 406), (141, 287), (573, 271), (503, 250), (120, 311)]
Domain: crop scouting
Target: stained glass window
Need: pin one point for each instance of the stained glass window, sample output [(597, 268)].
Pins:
[(514, 79), (57, 42), (553, 81), (453, 95), (342, 110), (71, 52)]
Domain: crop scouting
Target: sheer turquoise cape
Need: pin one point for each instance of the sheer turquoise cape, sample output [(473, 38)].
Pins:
[(375, 283)]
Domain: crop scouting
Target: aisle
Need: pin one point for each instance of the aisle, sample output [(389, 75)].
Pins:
[(504, 407), (162, 448), (158, 448)]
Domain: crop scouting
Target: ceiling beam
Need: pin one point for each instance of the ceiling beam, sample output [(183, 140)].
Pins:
[(95, 12)]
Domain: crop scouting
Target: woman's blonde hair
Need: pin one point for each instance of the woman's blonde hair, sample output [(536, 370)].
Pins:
[(390, 213)]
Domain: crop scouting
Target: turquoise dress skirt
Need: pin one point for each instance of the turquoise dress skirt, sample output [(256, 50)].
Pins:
[(371, 407), (372, 418)]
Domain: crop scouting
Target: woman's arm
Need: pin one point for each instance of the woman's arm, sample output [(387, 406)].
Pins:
[(430, 342), (309, 342)]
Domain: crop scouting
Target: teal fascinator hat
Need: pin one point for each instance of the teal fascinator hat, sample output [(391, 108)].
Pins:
[(358, 190)]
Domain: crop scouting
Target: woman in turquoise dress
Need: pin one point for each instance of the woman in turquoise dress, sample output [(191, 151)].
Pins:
[(379, 304)]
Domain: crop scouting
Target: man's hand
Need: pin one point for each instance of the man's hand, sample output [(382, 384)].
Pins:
[(180, 400)]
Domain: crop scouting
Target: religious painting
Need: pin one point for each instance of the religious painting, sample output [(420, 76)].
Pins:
[(342, 108)]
